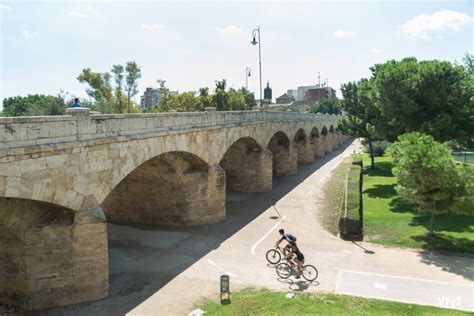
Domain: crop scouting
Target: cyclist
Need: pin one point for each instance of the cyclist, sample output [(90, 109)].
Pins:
[(290, 239), (298, 259)]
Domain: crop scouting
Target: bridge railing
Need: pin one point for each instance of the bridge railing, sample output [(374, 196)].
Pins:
[(80, 124)]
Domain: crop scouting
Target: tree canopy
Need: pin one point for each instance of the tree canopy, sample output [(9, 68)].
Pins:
[(428, 176), (326, 106), (34, 105), (432, 97)]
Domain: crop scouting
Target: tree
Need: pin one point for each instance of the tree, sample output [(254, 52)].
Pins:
[(249, 98), (427, 175), (219, 99), (99, 89), (427, 96), (361, 116), (236, 100), (118, 71), (133, 73), (34, 105), (326, 106), (204, 97)]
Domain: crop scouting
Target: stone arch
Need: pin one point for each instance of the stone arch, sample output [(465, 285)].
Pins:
[(173, 188), (48, 246), (284, 154), (247, 166), (304, 147)]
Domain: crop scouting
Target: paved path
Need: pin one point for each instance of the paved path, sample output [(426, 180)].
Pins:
[(354, 268), (165, 270)]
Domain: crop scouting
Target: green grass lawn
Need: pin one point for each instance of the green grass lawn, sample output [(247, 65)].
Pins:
[(390, 221), (265, 302), (469, 158)]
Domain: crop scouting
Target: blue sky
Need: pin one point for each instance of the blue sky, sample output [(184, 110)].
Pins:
[(46, 44)]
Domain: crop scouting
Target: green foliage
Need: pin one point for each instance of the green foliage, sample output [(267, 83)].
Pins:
[(326, 106), (133, 73), (362, 118), (266, 302), (427, 175), (392, 221), (34, 105), (108, 99), (379, 147), (99, 89), (432, 97)]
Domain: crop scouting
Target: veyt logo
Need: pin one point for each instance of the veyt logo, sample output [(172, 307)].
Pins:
[(448, 301)]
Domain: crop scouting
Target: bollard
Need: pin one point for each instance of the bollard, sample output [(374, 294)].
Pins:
[(225, 289)]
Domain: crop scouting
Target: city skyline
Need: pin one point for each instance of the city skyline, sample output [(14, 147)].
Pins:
[(190, 45)]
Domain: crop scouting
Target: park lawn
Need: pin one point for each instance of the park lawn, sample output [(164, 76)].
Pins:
[(388, 220), (265, 302)]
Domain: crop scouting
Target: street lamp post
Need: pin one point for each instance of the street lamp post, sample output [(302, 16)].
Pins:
[(247, 75), (254, 42)]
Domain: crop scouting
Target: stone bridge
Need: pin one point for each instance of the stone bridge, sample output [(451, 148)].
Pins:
[(62, 177)]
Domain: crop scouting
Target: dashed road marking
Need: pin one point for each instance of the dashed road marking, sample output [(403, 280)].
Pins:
[(252, 250), (211, 262)]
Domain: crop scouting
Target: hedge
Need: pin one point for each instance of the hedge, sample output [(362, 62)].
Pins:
[(351, 222)]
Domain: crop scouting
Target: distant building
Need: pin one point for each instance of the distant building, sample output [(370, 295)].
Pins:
[(284, 99), (267, 94), (292, 93), (301, 92), (151, 97), (315, 95)]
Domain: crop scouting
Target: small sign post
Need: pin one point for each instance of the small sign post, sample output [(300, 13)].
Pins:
[(225, 289)]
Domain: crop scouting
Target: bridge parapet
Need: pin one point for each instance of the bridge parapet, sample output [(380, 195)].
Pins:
[(81, 125)]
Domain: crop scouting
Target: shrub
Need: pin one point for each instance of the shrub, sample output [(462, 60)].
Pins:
[(379, 147)]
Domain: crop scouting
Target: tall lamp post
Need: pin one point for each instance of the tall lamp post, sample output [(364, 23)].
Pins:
[(247, 75), (254, 42)]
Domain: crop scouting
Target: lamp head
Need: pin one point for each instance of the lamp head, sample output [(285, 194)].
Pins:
[(254, 41)]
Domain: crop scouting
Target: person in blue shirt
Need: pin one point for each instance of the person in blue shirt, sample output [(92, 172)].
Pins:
[(76, 103), (289, 238)]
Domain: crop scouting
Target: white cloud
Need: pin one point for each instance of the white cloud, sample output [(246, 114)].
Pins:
[(29, 35), (229, 30), (82, 13), (340, 34), (420, 26), (376, 51), (155, 28), (5, 7)]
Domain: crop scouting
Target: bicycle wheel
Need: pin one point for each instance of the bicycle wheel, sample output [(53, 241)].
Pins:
[(273, 256), (310, 273), (283, 270)]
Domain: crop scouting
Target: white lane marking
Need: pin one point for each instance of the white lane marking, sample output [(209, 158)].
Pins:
[(382, 286), (231, 274), (211, 262), (404, 277), (265, 236), (346, 251), (337, 283)]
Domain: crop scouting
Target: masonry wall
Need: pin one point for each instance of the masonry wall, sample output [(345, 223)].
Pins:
[(57, 256)]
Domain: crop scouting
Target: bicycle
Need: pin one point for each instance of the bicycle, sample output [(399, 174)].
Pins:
[(285, 270), (274, 255)]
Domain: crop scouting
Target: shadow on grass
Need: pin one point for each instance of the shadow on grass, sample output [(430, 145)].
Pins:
[(446, 223), (387, 191), (382, 169), (457, 264)]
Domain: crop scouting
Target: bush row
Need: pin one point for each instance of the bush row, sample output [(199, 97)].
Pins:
[(351, 219)]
